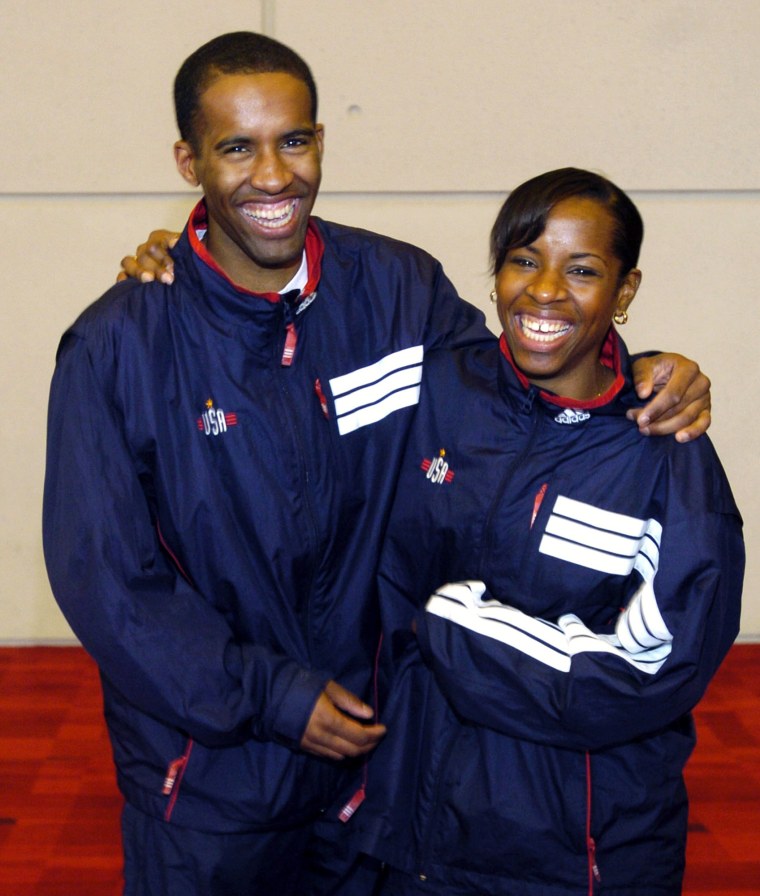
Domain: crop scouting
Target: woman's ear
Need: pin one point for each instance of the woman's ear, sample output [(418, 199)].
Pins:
[(628, 289)]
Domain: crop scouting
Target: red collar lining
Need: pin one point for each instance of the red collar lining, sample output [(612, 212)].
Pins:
[(314, 251), (610, 357)]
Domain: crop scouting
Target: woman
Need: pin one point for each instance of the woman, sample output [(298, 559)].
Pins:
[(539, 724)]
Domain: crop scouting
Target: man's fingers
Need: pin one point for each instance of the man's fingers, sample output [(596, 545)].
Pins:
[(688, 425), (696, 429), (331, 744), (673, 382), (348, 702), (683, 407), (152, 260), (354, 740), (687, 421), (333, 734)]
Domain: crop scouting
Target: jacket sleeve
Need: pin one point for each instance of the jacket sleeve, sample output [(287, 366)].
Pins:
[(155, 638), (561, 683), (453, 322)]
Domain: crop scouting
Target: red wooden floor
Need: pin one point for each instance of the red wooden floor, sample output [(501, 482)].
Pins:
[(59, 808)]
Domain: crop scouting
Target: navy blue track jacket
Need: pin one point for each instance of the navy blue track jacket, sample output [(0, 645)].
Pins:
[(219, 472), (538, 749)]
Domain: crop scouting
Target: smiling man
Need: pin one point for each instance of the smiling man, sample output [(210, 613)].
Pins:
[(222, 458), (254, 146)]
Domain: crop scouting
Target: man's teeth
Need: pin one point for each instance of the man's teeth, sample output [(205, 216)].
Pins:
[(543, 330), (272, 215)]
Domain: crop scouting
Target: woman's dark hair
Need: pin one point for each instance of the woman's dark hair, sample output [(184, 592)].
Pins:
[(230, 54), (522, 218)]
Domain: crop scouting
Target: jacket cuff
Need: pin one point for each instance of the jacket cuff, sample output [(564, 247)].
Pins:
[(296, 706)]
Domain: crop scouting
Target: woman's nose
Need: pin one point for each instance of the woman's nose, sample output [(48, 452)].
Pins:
[(547, 286)]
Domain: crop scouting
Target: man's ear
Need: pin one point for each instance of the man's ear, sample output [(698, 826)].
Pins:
[(184, 156), (628, 289), (319, 130)]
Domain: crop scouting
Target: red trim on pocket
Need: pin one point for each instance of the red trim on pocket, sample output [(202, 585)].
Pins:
[(173, 780)]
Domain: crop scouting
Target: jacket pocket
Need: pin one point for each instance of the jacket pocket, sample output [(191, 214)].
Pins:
[(175, 772)]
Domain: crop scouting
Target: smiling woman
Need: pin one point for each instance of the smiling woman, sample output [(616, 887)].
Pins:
[(557, 296), (594, 588), (563, 270)]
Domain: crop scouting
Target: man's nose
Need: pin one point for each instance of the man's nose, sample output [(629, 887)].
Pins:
[(270, 172)]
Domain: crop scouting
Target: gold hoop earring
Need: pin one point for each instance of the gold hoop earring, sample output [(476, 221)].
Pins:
[(492, 295), (620, 317)]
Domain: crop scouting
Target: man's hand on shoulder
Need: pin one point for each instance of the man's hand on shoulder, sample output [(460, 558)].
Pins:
[(681, 402), (151, 260)]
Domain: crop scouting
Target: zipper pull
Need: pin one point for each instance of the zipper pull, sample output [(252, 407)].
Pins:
[(290, 345), (352, 805), (592, 860), (175, 767), (537, 503), (321, 396), (290, 307)]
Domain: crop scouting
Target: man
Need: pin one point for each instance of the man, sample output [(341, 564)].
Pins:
[(222, 456)]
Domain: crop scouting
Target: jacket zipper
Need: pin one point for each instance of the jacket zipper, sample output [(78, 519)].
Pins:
[(359, 795), (593, 868), (291, 412), (506, 478), (290, 311), (427, 845), (175, 771)]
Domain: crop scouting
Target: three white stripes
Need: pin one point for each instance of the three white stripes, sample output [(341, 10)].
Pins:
[(596, 539), (371, 393)]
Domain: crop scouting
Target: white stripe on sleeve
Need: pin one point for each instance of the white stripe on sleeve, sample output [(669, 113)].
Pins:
[(371, 393), (642, 639)]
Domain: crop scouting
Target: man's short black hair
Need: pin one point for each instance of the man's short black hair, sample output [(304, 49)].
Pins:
[(230, 54)]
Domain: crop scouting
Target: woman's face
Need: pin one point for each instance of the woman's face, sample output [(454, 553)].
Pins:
[(556, 298)]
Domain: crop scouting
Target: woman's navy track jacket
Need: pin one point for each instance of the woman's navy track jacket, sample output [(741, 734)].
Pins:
[(539, 747)]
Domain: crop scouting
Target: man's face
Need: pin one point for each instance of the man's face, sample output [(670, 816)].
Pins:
[(259, 163)]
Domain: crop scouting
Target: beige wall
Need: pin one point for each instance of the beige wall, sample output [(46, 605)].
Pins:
[(433, 111)]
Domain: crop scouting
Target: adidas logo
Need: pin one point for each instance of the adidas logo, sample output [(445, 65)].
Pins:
[(571, 416)]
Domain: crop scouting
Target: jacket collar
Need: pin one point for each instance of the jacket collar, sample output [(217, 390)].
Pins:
[(516, 388), (314, 247)]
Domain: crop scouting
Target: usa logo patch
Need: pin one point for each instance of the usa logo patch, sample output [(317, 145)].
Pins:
[(214, 421), (437, 469)]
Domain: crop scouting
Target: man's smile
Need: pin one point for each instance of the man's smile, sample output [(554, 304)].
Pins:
[(271, 215)]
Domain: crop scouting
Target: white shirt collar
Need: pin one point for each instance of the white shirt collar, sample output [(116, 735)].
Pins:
[(298, 280)]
